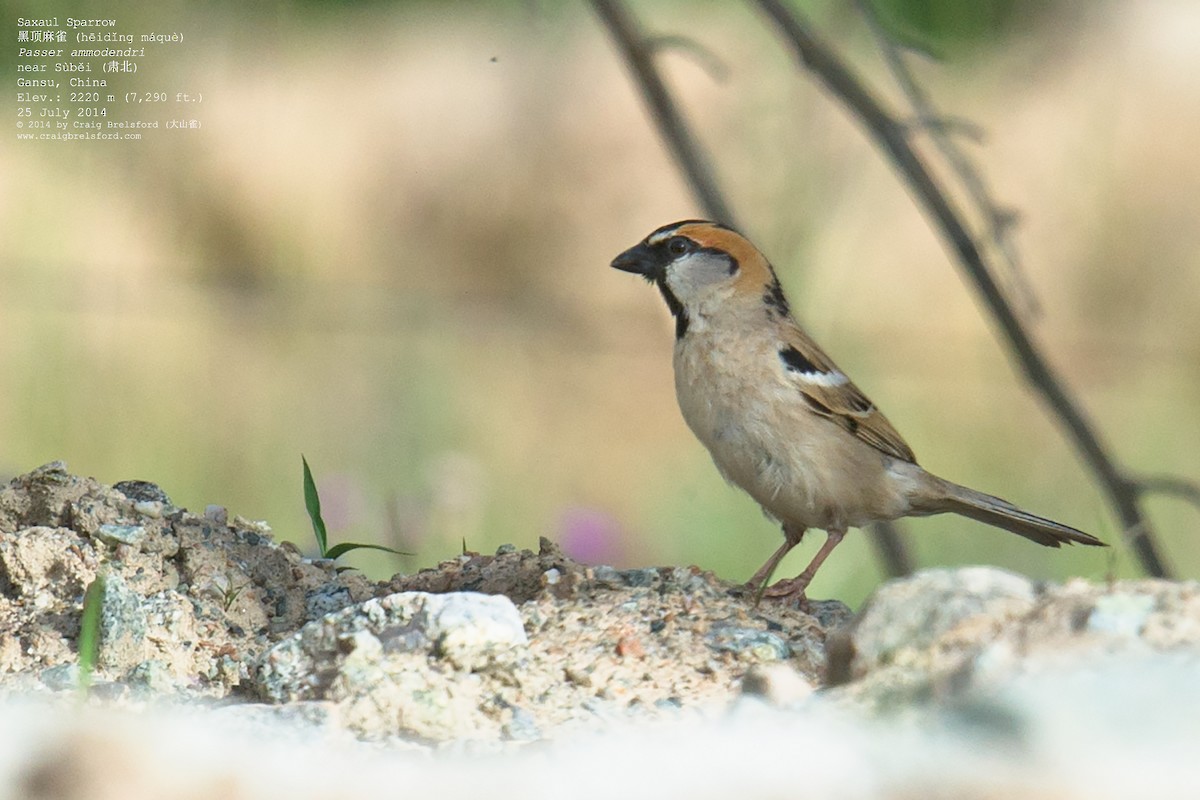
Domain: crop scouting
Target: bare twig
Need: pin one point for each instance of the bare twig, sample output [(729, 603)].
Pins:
[(948, 125), (999, 221), (1122, 492), (633, 45), (709, 61), (1172, 486), (637, 50), (890, 547)]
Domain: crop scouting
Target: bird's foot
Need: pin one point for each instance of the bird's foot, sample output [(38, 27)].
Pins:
[(752, 588), (790, 592)]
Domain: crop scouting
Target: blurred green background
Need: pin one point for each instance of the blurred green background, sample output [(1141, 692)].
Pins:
[(387, 249)]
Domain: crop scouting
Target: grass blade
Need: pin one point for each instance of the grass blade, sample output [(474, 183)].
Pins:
[(89, 633), (312, 502), (342, 548)]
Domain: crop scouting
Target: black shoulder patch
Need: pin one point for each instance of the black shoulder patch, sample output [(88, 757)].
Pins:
[(795, 360), (773, 297)]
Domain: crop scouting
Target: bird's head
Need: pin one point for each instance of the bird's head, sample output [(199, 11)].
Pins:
[(699, 265)]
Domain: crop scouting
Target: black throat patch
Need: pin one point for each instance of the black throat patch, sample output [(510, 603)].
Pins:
[(676, 307)]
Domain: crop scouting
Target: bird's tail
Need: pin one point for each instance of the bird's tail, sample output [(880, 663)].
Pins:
[(994, 511)]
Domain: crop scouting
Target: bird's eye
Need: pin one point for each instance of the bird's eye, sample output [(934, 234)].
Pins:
[(678, 245)]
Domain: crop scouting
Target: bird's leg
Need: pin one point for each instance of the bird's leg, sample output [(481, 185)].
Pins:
[(794, 588), (791, 537)]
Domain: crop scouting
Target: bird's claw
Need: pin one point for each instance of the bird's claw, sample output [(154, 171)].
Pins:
[(791, 592)]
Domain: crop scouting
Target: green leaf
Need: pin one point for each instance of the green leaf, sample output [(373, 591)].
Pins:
[(341, 549), (89, 632), (942, 29), (312, 502)]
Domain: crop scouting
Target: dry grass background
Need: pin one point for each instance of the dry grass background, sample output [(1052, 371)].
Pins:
[(387, 249)]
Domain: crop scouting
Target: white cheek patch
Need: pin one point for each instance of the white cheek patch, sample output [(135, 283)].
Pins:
[(690, 275), (679, 267)]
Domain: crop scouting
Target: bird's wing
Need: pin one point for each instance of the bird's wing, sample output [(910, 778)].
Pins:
[(829, 393)]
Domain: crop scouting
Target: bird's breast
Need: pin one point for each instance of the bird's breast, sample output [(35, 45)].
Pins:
[(736, 406), (738, 401)]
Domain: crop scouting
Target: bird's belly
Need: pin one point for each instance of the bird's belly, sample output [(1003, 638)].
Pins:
[(784, 456)]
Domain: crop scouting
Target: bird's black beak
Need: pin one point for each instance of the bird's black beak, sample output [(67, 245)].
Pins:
[(640, 260)]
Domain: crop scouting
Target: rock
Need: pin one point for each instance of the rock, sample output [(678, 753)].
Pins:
[(520, 575), (41, 563), (830, 614), (142, 492), (158, 633), (122, 629), (61, 677), (511, 647), (121, 534), (474, 631), (379, 661), (777, 684), (521, 726), (39, 498), (326, 599), (761, 645), (216, 513), (905, 616), (1063, 733), (295, 724), (947, 635), (1121, 614)]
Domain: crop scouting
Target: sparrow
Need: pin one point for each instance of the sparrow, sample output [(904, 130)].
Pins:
[(781, 420)]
